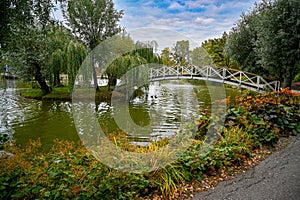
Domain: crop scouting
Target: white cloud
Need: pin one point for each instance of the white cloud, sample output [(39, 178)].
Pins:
[(175, 6), (197, 19), (202, 20), (198, 3)]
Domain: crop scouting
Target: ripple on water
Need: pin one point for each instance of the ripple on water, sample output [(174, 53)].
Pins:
[(162, 108)]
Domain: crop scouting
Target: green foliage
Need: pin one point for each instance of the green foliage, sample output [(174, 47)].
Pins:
[(28, 43), (277, 44), (75, 55), (134, 56), (215, 49), (69, 171), (5, 14), (3, 139), (92, 21), (267, 117), (240, 46), (167, 57), (182, 52), (266, 40), (60, 40), (146, 50), (200, 57), (297, 78), (122, 65)]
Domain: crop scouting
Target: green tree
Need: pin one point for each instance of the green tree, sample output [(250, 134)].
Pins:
[(241, 43), (57, 62), (75, 55), (200, 57), (14, 12), (28, 42), (167, 57), (266, 40), (215, 48), (122, 65), (5, 13), (136, 54), (146, 50), (92, 21), (182, 52), (278, 39), (60, 40)]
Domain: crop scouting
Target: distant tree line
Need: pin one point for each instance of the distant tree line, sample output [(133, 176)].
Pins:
[(264, 41), (42, 47)]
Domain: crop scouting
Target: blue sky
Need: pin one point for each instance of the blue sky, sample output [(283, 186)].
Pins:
[(168, 21), (196, 20)]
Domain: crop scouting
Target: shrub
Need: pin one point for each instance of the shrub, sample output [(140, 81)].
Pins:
[(69, 171)]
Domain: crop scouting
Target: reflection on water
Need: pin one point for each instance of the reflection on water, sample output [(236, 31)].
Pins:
[(168, 104), (158, 114), (26, 119)]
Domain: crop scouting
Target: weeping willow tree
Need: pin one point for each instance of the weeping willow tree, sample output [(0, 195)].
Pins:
[(75, 55), (58, 63), (60, 39), (122, 65), (146, 50)]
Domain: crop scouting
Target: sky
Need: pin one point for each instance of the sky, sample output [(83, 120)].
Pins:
[(169, 20)]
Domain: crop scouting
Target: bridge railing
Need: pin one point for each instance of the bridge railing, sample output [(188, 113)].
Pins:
[(210, 73)]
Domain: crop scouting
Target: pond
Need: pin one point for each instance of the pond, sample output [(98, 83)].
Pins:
[(161, 108)]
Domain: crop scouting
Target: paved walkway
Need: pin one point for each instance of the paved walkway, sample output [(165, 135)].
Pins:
[(277, 177)]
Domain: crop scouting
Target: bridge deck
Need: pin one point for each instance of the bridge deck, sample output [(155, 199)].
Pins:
[(220, 75)]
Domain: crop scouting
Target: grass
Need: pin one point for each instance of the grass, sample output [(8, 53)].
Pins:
[(64, 94)]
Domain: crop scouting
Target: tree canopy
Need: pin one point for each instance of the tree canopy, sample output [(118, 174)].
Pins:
[(182, 52), (216, 50), (92, 21), (167, 57), (267, 39), (28, 43)]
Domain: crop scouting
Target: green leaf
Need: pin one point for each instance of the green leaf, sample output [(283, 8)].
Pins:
[(258, 121), (37, 189), (52, 173), (47, 194)]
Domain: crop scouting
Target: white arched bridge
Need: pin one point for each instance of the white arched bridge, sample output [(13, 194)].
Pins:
[(221, 75)]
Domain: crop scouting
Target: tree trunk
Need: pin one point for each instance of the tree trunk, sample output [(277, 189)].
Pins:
[(94, 73), (40, 79), (57, 79), (95, 79), (289, 75), (287, 82)]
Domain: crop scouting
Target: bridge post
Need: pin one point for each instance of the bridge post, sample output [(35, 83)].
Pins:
[(258, 83), (240, 79), (277, 86), (224, 74), (207, 72)]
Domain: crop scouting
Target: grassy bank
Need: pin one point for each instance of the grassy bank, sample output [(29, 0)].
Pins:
[(62, 94), (253, 123)]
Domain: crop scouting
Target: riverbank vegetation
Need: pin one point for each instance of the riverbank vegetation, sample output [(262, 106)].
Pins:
[(42, 48), (254, 122), (63, 93)]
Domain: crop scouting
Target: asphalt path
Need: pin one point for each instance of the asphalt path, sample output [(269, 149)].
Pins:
[(276, 177)]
